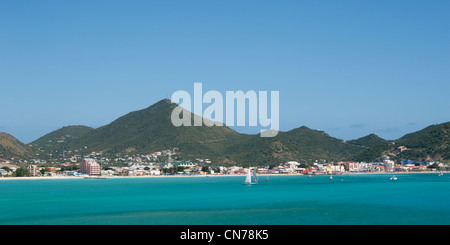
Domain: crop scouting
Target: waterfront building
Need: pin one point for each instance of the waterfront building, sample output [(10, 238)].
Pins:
[(388, 165), (71, 173), (154, 172), (32, 170), (90, 166), (351, 166), (3, 172)]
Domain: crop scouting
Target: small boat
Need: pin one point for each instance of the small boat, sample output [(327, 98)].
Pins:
[(95, 177), (331, 177), (393, 177), (248, 179)]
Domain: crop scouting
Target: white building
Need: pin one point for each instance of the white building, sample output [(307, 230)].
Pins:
[(154, 172), (186, 164), (388, 165), (32, 170), (3, 172), (366, 167), (337, 168)]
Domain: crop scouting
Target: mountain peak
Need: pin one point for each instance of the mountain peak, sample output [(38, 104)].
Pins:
[(368, 140), (163, 102), (150, 130)]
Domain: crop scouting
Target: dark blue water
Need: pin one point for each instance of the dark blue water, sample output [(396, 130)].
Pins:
[(347, 199)]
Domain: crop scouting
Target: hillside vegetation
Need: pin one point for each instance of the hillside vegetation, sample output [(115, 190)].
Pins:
[(10, 147), (149, 130)]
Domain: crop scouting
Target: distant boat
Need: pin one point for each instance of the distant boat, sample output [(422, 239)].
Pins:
[(96, 177), (248, 179), (440, 173), (393, 177)]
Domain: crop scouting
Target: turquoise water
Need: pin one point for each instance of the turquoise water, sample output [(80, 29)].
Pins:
[(284, 200)]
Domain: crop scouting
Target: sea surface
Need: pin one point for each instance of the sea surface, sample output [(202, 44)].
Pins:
[(420, 199)]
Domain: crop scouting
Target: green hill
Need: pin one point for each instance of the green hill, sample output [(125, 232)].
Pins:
[(300, 144), (11, 147), (60, 139), (368, 141), (430, 143), (149, 130), (63, 134)]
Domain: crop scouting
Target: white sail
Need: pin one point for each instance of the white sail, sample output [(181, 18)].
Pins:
[(248, 180), (254, 175)]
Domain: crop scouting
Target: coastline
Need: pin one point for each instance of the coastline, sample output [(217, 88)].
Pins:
[(210, 175)]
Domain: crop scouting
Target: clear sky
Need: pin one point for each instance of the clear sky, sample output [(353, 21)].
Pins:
[(349, 68)]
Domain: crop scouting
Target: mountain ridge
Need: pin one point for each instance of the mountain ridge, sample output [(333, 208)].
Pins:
[(431, 143), (150, 129)]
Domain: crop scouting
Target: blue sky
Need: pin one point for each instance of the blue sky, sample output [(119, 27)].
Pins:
[(349, 68)]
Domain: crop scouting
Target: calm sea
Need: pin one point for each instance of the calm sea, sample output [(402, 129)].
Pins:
[(283, 200)]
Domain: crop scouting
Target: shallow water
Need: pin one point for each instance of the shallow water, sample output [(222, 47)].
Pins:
[(284, 200)]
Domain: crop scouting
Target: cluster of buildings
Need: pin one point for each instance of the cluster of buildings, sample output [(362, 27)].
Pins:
[(162, 163), (90, 167), (386, 165)]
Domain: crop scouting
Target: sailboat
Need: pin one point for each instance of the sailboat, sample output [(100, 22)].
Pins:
[(393, 177), (248, 179)]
